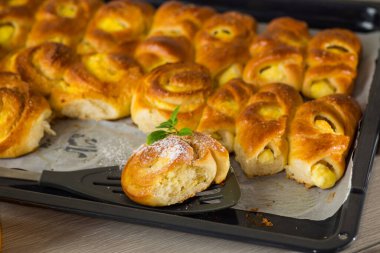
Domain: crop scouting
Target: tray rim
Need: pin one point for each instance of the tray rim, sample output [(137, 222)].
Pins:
[(350, 212)]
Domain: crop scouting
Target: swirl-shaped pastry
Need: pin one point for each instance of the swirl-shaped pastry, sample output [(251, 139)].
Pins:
[(43, 66), (98, 86), (158, 50), (62, 21), (261, 147), (282, 64), (166, 87), (174, 169), (117, 27), (178, 19), (222, 45), (223, 107), (23, 117), (319, 139), (16, 20)]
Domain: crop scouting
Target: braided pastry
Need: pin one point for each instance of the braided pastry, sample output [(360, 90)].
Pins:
[(98, 86), (43, 66), (165, 88), (261, 147), (333, 56), (319, 139), (23, 117), (117, 27), (62, 21), (222, 109), (222, 44), (174, 169)]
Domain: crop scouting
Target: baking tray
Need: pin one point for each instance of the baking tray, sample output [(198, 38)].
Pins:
[(328, 235)]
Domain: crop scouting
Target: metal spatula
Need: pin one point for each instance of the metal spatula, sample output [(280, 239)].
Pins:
[(103, 184)]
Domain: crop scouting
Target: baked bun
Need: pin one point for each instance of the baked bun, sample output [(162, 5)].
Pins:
[(282, 64), (174, 169), (178, 19), (16, 20), (24, 117), (332, 59), (222, 45), (158, 50), (261, 147), (166, 87), (319, 140), (223, 107), (43, 66), (98, 86), (117, 27), (62, 21)]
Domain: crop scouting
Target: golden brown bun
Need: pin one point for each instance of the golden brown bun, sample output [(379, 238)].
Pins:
[(16, 20), (178, 19), (166, 87), (223, 42), (320, 134), (325, 80), (174, 169), (117, 27), (159, 50), (261, 147), (43, 66), (98, 86), (23, 117), (282, 64), (223, 107), (62, 21), (334, 46)]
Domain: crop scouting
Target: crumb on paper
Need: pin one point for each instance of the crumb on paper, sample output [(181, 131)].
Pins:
[(258, 220), (253, 209), (330, 197)]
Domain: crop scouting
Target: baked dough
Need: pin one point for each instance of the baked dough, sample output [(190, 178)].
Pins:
[(24, 117), (174, 169), (319, 140), (163, 89), (261, 145), (222, 109)]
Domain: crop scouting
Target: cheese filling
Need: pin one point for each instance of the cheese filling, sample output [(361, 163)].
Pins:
[(266, 156), (322, 175), (113, 25), (271, 112), (6, 33), (234, 71), (321, 88), (67, 10)]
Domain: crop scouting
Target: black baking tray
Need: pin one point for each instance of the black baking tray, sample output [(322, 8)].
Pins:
[(328, 235)]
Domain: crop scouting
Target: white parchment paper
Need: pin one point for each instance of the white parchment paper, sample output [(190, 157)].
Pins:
[(89, 144)]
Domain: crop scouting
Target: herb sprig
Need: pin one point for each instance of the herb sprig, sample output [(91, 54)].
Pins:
[(167, 128)]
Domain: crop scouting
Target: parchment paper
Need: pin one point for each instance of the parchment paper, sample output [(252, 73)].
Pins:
[(89, 144)]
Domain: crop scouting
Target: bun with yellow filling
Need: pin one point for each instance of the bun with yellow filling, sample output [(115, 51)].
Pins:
[(319, 139), (174, 169), (165, 88), (24, 117), (222, 109), (261, 146)]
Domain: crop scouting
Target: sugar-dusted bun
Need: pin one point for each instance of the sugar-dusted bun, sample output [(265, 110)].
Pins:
[(174, 169), (24, 117), (319, 139), (223, 107), (117, 27), (97, 86), (178, 19), (175, 84), (159, 50), (62, 21), (282, 64), (261, 145), (43, 66), (222, 45), (334, 46), (16, 20)]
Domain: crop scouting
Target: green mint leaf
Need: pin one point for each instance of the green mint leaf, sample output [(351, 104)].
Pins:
[(155, 136), (166, 124), (185, 131), (173, 117)]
